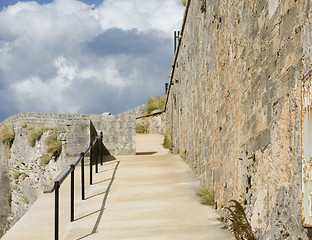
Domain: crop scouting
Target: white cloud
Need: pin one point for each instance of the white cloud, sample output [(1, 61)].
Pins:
[(51, 53), (164, 16)]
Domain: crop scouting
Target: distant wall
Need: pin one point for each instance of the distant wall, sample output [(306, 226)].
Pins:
[(118, 130), (234, 106), (154, 123)]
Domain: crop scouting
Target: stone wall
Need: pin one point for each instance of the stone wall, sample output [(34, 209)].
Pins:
[(154, 123), (234, 105), (24, 174)]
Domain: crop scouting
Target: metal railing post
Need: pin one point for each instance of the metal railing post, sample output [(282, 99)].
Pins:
[(97, 156), (101, 147), (56, 209), (72, 193), (91, 165), (82, 177)]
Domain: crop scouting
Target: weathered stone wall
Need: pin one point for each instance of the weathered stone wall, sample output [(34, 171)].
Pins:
[(234, 105), (5, 194), (23, 174), (154, 123)]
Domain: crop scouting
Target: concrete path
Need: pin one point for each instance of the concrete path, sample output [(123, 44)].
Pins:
[(147, 196)]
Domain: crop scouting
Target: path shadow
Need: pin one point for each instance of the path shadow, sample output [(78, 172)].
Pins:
[(145, 153), (101, 210)]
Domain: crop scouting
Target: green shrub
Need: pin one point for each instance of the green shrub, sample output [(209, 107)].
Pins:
[(34, 135), (206, 195), (7, 133), (54, 146), (183, 2), (156, 103), (45, 159), (140, 128)]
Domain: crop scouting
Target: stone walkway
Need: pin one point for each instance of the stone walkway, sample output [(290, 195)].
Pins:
[(147, 196)]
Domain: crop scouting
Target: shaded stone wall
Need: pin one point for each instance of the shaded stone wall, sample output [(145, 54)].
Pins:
[(234, 106)]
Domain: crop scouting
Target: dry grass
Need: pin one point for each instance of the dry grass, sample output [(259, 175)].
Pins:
[(7, 133), (24, 125), (54, 147), (206, 195), (45, 159), (167, 141), (25, 200), (15, 174), (34, 135), (155, 103)]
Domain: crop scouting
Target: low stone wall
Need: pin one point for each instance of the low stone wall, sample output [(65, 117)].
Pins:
[(24, 174)]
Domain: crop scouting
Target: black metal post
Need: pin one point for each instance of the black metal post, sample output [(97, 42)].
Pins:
[(97, 156), (56, 209), (72, 192), (101, 147), (82, 177), (91, 165), (176, 38)]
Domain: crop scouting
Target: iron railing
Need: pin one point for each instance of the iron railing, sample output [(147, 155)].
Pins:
[(71, 171)]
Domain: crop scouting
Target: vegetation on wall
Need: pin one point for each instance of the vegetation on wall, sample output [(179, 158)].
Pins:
[(183, 2), (141, 128), (54, 147), (45, 159), (206, 195), (239, 223), (7, 133), (203, 6), (155, 103), (167, 141), (34, 135)]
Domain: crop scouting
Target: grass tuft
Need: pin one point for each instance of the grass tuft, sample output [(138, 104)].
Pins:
[(54, 146), (15, 174), (34, 135), (156, 103), (25, 200), (206, 195), (167, 141), (7, 133), (24, 125), (140, 128), (45, 159)]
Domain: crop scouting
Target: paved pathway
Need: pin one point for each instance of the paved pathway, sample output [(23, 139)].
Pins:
[(149, 196)]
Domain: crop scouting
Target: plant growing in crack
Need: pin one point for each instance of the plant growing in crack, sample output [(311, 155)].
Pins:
[(239, 223)]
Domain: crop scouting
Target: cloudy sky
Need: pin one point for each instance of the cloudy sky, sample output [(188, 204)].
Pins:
[(71, 56)]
